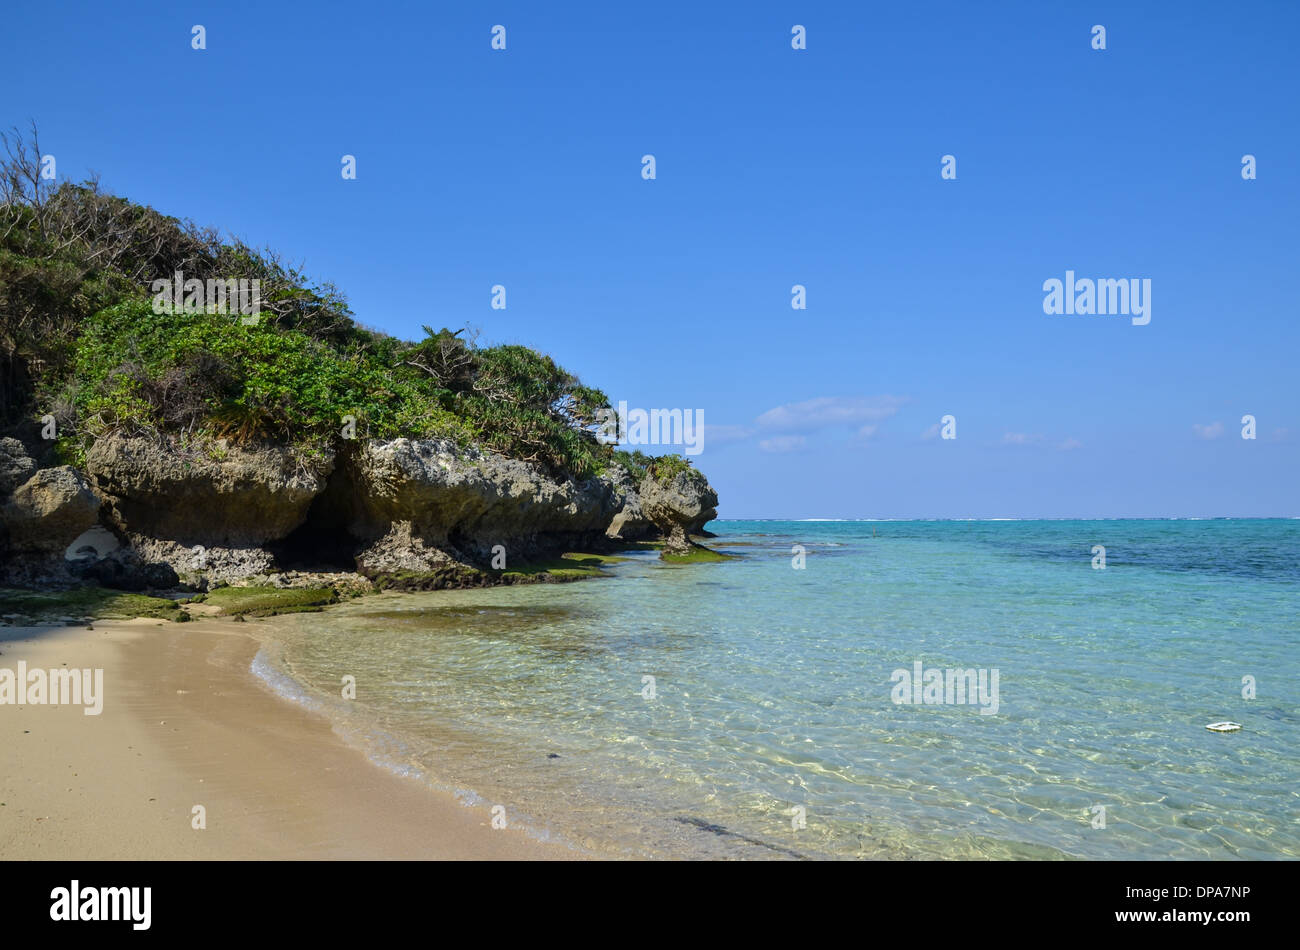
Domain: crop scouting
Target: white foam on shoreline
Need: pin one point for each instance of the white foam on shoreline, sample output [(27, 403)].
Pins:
[(397, 759)]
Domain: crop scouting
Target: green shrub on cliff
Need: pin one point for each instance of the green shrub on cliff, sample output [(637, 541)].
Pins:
[(667, 467), (137, 371), (80, 341), (636, 463)]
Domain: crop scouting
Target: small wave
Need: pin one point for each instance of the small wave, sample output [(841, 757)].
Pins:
[(393, 755), (280, 683)]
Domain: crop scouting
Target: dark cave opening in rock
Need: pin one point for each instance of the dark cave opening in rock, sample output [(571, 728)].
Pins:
[(322, 543)]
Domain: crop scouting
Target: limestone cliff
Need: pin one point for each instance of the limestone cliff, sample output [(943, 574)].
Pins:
[(154, 512)]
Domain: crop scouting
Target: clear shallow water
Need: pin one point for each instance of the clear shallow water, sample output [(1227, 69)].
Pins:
[(773, 690)]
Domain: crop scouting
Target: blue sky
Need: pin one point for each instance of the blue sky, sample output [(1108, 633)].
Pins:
[(775, 167)]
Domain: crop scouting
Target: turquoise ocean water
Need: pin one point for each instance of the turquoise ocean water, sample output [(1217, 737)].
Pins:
[(773, 704)]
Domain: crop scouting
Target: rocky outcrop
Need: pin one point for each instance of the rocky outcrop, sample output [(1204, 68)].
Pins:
[(201, 511), (15, 465), (98, 555), (154, 514), (221, 513), (679, 507), (629, 522), (421, 504), (216, 496), (123, 569), (39, 520), (48, 512)]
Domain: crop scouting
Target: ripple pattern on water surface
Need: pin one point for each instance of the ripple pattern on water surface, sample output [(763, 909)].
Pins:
[(773, 693)]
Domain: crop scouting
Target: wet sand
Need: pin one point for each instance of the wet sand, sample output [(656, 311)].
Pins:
[(185, 723)]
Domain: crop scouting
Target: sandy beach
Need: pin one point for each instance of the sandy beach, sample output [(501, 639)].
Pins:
[(185, 723)]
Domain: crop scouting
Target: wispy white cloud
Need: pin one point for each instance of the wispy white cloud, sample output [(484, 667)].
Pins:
[(932, 432), (1036, 438), (723, 435), (813, 414), (1211, 431), (782, 443), (1021, 438)]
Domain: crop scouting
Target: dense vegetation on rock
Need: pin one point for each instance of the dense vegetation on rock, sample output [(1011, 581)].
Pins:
[(154, 441), (80, 341)]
